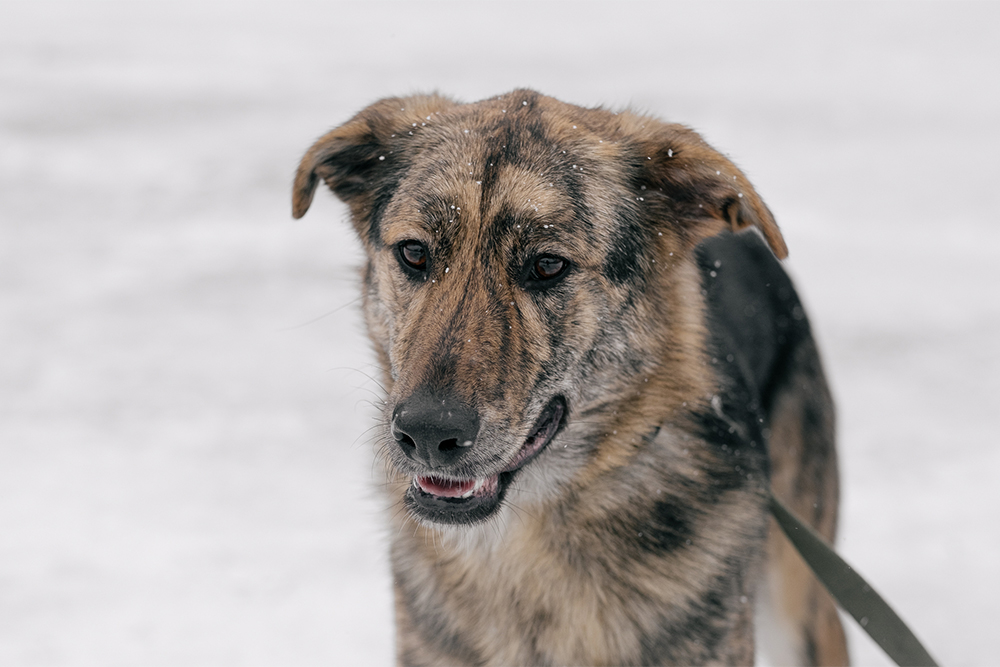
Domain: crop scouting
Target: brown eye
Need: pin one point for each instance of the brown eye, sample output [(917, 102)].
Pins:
[(544, 271), (413, 254), (547, 267)]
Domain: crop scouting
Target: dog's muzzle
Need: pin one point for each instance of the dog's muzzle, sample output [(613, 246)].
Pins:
[(438, 433)]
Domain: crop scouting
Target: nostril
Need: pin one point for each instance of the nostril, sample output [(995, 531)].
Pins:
[(448, 445), (404, 439)]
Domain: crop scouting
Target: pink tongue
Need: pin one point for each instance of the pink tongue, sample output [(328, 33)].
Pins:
[(445, 487)]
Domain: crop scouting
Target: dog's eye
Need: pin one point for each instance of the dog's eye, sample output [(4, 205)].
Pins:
[(413, 255), (545, 270)]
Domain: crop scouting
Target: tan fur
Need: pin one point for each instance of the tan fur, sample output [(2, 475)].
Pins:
[(639, 532), (804, 479)]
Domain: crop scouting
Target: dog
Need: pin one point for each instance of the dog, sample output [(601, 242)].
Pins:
[(596, 371)]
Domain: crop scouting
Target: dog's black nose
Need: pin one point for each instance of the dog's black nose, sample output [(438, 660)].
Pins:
[(433, 429)]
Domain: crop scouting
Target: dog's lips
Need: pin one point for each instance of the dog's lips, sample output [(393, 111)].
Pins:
[(547, 426), (445, 497)]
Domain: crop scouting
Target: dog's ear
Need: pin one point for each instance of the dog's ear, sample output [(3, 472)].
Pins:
[(708, 190), (356, 157)]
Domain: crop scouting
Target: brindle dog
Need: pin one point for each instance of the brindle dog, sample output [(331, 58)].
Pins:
[(592, 383)]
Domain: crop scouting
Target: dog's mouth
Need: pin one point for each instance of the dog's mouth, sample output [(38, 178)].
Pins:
[(467, 501)]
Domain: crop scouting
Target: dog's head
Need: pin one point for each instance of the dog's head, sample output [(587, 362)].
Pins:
[(529, 287)]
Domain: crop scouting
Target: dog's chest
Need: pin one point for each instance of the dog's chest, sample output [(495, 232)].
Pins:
[(544, 598)]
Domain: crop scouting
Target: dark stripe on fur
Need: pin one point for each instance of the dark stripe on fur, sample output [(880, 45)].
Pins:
[(707, 620)]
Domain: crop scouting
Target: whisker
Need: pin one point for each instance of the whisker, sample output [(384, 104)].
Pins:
[(358, 370), (363, 433), (324, 315)]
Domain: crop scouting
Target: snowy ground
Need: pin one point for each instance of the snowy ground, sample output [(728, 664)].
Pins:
[(184, 476)]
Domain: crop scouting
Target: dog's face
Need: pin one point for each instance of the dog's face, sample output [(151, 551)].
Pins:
[(518, 249)]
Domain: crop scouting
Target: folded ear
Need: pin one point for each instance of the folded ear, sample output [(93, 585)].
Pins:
[(707, 190), (356, 158)]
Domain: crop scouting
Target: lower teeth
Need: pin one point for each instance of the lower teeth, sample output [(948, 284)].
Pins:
[(479, 484)]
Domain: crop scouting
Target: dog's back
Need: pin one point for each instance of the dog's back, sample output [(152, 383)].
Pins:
[(761, 334)]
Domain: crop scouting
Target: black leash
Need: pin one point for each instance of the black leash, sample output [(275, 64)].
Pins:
[(853, 593)]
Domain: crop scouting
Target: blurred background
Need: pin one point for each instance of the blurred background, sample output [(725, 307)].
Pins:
[(185, 476)]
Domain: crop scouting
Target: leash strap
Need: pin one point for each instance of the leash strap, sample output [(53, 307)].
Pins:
[(852, 592)]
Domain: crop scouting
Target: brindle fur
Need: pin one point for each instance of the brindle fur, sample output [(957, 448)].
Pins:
[(640, 534)]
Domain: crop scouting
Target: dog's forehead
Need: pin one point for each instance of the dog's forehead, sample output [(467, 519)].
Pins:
[(486, 164)]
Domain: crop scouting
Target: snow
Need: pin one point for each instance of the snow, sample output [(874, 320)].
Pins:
[(185, 389)]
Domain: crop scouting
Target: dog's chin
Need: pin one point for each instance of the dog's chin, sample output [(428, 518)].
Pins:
[(456, 502)]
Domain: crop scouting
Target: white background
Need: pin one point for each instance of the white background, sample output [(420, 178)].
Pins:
[(184, 471)]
